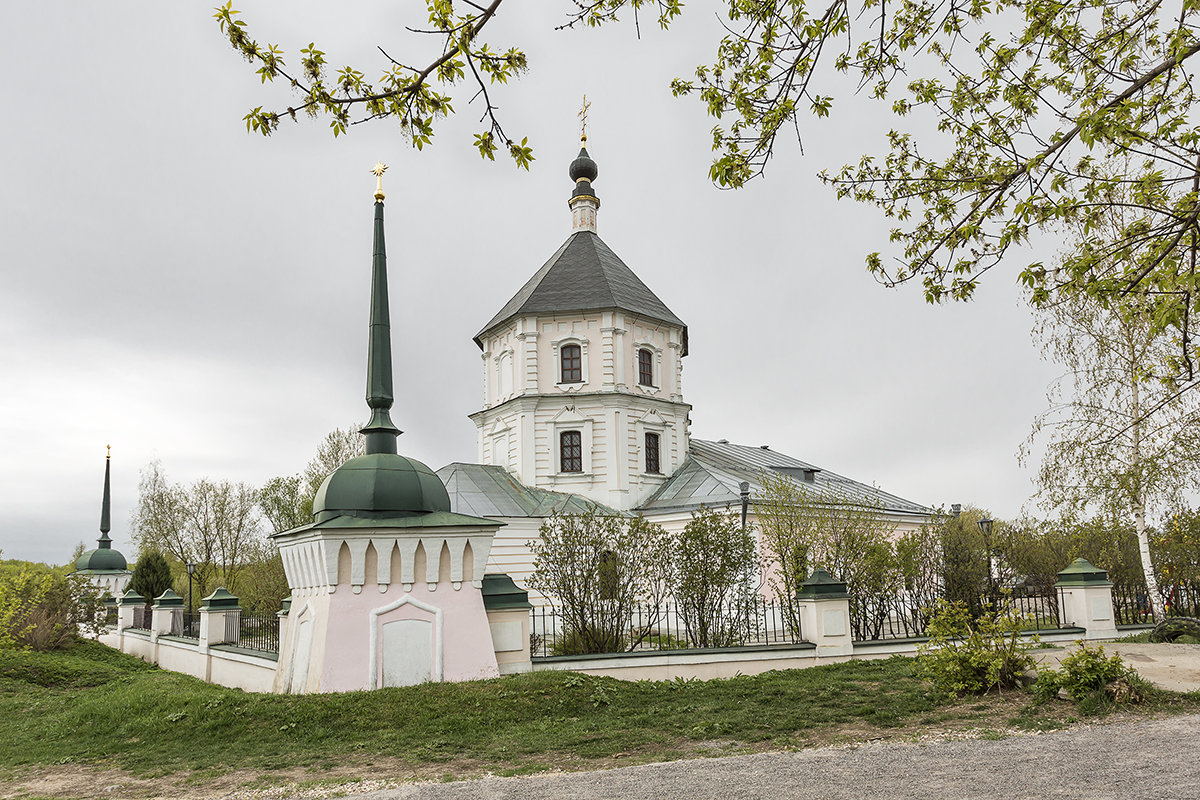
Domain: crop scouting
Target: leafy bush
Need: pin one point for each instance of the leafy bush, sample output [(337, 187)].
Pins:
[(1092, 680), (972, 655), (43, 608), (714, 567), (601, 569)]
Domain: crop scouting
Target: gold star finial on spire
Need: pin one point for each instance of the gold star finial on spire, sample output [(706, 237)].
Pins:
[(583, 120), (109, 448), (378, 171)]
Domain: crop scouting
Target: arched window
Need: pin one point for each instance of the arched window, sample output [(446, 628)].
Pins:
[(645, 367), (652, 462), (572, 364), (570, 451)]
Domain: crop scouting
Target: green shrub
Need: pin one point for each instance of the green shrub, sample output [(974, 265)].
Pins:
[(43, 608), (586, 641), (966, 655), (1092, 680)]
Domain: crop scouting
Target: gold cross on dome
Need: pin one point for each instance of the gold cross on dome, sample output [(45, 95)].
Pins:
[(378, 171), (583, 117)]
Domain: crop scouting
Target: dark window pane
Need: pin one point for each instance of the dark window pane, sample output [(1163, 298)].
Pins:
[(652, 453), (645, 368), (572, 364), (570, 451)]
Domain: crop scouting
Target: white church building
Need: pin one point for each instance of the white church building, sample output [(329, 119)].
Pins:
[(584, 404)]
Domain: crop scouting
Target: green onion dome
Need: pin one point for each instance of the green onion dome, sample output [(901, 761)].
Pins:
[(380, 485), (102, 559)]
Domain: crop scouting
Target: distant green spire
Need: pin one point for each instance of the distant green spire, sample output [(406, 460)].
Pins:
[(380, 432), (104, 541)]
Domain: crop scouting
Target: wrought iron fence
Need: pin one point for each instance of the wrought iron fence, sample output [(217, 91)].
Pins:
[(669, 626), (897, 617), (141, 618), (1182, 599), (186, 624), (110, 615), (1131, 602), (1131, 605), (253, 631)]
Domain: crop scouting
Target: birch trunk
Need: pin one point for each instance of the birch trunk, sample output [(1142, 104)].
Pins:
[(1138, 495)]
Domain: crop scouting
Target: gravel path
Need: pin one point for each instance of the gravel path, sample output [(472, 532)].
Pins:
[(1151, 759)]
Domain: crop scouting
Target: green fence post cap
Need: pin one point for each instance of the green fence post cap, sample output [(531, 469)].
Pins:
[(500, 592), (168, 599), (285, 606), (131, 598), (221, 600), (822, 585), (1082, 572)]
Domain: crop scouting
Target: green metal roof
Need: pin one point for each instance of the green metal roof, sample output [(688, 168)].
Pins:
[(102, 559), (499, 592), (491, 491), (380, 483)]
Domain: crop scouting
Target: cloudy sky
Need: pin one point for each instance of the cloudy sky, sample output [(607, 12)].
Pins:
[(191, 293)]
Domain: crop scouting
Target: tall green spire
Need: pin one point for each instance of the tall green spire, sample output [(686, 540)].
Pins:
[(380, 432), (104, 541)]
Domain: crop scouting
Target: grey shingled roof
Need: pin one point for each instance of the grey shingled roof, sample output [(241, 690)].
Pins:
[(584, 275), (487, 491), (712, 472)]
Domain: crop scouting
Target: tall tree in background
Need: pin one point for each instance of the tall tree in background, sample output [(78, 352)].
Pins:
[(1016, 107), (1104, 450), (151, 576), (803, 527), (287, 501), (212, 524)]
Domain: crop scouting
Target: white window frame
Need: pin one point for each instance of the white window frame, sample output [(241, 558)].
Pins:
[(656, 367), (556, 349), (651, 422), (571, 420)]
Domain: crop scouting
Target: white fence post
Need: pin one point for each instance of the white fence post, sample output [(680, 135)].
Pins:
[(824, 606), (1087, 599)]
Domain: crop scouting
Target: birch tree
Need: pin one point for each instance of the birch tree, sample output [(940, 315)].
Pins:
[(1104, 451)]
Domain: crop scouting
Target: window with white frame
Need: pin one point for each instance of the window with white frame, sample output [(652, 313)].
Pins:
[(570, 451)]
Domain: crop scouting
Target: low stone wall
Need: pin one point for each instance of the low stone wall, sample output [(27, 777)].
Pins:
[(225, 665), (665, 665)]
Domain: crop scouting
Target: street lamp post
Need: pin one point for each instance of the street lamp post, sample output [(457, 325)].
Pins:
[(190, 569), (985, 527)]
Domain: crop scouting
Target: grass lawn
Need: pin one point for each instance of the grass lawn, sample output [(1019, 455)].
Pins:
[(92, 708)]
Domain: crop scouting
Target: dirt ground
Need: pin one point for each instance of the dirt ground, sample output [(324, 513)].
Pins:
[(1175, 667)]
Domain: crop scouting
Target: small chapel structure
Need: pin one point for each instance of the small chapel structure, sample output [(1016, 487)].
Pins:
[(105, 567), (584, 404), (387, 582)]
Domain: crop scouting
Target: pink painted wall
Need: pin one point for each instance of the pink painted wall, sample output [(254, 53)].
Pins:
[(467, 639)]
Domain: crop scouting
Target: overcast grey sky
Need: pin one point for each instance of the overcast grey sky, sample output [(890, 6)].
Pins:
[(191, 293)]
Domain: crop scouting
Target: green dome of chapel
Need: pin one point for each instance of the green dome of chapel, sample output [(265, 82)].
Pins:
[(104, 558), (381, 484)]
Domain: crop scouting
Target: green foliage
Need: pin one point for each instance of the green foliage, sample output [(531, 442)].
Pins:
[(84, 664), (151, 575), (43, 608), (1021, 108), (287, 502), (804, 527), (262, 584), (1092, 679), (597, 569), (968, 654), (713, 577)]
